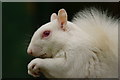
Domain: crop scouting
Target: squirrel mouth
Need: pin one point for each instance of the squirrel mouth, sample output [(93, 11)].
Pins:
[(45, 56)]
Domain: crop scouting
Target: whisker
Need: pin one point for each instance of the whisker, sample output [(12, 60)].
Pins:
[(26, 44), (27, 39), (28, 35)]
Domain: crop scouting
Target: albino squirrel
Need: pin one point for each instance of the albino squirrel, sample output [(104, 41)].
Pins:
[(87, 47)]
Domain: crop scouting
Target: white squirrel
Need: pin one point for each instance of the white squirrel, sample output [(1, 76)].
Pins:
[(87, 47)]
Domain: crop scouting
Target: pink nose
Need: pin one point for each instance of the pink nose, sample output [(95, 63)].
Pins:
[(29, 51)]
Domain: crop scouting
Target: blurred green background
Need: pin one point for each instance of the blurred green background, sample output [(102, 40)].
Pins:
[(21, 19)]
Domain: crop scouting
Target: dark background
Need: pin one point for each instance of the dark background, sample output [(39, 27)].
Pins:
[(20, 20)]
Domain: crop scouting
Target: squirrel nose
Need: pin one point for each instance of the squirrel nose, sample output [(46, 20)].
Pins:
[(29, 51)]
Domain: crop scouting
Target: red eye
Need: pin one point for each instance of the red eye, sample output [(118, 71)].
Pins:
[(46, 33)]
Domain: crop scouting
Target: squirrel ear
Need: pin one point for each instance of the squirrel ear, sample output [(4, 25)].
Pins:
[(62, 19), (53, 17)]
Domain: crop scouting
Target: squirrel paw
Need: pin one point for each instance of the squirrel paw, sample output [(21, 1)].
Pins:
[(34, 67)]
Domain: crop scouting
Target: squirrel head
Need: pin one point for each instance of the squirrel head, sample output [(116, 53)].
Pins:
[(51, 37)]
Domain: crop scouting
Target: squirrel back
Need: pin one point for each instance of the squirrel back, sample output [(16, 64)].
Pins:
[(103, 29)]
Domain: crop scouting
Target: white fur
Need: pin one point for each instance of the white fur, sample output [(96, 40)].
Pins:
[(88, 49)]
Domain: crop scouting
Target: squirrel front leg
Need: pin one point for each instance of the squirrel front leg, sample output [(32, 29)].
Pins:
[(55, 67)]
